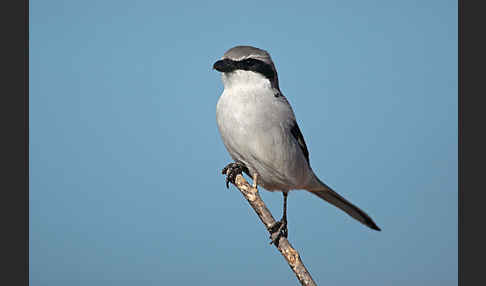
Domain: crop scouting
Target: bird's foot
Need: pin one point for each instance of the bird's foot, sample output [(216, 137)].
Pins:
[(232, 170), (277, 230)]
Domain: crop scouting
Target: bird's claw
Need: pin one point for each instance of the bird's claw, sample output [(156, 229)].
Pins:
[(231, 171), (277, 230)]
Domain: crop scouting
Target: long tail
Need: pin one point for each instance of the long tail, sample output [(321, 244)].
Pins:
[(327, 194)]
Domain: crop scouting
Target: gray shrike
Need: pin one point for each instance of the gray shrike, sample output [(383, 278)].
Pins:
[(260, 132)]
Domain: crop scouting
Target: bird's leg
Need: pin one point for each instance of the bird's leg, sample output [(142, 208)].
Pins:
[(280, 227), (255, 180), (233, 169)]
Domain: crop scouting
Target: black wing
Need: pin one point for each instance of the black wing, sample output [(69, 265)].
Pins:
[(295, 130)]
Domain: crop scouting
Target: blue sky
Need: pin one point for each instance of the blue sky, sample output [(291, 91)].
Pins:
[(125, 155)]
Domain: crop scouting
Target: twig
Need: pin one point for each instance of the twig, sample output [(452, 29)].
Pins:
[(283, 245)]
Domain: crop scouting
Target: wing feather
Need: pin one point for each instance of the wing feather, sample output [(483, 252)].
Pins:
[(295, 130)]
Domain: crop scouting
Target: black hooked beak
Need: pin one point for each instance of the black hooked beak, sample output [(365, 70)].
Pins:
[(225, 65)]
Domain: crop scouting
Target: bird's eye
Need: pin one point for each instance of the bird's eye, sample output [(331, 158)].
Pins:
[(249, 62)]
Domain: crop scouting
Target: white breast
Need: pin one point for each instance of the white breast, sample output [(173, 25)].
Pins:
[(255, 128)]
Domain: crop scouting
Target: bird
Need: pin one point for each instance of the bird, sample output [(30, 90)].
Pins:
[(260, 132)]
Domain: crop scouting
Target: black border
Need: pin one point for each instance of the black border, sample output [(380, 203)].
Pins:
[(471, 143), (14, 209)]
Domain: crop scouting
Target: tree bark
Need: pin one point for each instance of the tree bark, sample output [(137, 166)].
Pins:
[(288, 252)]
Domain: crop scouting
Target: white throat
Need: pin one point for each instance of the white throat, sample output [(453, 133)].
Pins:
[(245, 79)]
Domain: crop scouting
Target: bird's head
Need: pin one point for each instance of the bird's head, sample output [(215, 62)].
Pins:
[(246, 65)]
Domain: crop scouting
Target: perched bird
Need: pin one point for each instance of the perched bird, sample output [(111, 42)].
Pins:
[(259, 129)]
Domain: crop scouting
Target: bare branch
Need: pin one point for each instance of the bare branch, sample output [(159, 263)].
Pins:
[(283, 245)]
